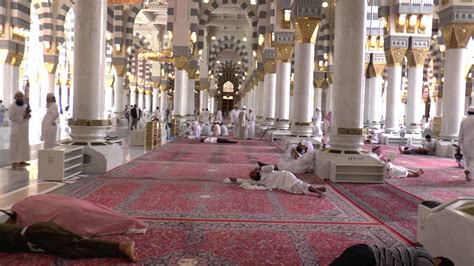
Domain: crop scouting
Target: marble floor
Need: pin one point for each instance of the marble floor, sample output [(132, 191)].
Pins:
[(20, 183)]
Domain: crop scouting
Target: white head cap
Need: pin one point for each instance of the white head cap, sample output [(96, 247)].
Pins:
[(243, 107)]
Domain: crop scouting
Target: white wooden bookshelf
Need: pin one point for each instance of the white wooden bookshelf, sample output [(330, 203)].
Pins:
[(60, 163)]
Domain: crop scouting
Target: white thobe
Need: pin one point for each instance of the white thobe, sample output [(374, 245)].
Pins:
[(234, 118), (317, 124), (196, 133), (283, 180), (205, 117), (216, 130), (48, 126), (243, 125), (396, 171), (206, 130), (19, 141), (301, 165), (466, 142), (219, 117), (252, 119), (224, 131)]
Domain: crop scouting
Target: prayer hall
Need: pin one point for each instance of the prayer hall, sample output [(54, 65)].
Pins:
[(237, 132)]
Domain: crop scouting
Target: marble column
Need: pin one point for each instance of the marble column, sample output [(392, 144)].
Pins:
[(89, 69), (202, 100), (260, 99), (270, 91), (15, 79), (133, 96), (329, 96), (5, 90), (191, 95), (304, 73), (394, 105), (350, 38), (141, 95), (180, 87), (375, 95), (156, 99), (366, 103), (282, 99), (318, 97), (415, 104), (119, 106), (147, 107), (163, 98), (454, 92)]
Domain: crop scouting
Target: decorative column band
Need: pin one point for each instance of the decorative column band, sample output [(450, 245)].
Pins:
[(416, 57), (89, 123), (121, 70), (395, 56), (284, 52), (124, 2), (304, 124), (180, 62), (282, 120), (375, 70), (350, 131), (306, 29), (457, 35), (270, 67)]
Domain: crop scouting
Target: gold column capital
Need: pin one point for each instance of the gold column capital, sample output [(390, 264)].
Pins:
[(270, 66), (51, 67), (180, 62), (395, 56), (375, 70), (306, 29), (260, 75), (284, 52), (121, 70), (318, 83), (457, 35), (416, 57)]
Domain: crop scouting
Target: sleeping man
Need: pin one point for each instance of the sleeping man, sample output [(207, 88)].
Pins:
[(302, 164), (267, 177)]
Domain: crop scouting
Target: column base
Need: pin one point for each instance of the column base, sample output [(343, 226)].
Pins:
[(302, 128), (87, 130), (414, 128), (392, 130), (282, 124), (448, 137), (268, 121), (346, 143), (374, 125)]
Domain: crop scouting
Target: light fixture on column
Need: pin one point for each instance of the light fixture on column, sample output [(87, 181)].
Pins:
[(325, 56), (239, 63), (243, 78), (205, 1), (213, 38), (380, 42), (424, 22), (286, 22), (401, 21), (254, 53), (412, 22), (2, 29), (118, 47), (244, 39), (47, 45), (253, 2), (261, 39), (193, 37), (218, 62), (384, 24), (200, 52), (325, 4)]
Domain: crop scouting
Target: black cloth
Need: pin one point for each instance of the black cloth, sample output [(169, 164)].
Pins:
[(221, 140), (373, 255), (56, 240), (134, 113)]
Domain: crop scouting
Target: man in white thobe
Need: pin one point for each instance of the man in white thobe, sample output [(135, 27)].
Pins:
[(317, 123), (243, 124), (2, 112), (234, 119), (49, 130), (303, 164), (219, 117), (205, 116), (19, 115), (466, 142), (252, 119), (224, 130), (268, 177)]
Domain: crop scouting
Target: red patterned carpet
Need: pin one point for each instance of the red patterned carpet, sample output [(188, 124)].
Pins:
[(195, 218)]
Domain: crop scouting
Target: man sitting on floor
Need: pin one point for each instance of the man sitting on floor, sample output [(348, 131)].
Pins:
[(374, 255), (427, 147), (217, 140), (302, 164), (53, 239), (224, 130), (268, 177)]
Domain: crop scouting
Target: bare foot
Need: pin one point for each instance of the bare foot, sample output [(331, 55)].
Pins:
[(322, 189), (128, 249), (468, 175), (400, 148)]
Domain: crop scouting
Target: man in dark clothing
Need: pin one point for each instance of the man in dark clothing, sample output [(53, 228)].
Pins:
[(53, 239), (373, 255), (135, 114)]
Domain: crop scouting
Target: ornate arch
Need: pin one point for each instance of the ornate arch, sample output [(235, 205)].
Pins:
[(229, 43)]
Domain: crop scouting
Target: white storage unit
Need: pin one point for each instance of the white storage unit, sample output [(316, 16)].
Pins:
[(60, 163)]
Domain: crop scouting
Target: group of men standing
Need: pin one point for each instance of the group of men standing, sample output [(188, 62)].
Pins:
[(243, 122)]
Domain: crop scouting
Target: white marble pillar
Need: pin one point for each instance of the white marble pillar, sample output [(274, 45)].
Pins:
[(156, 99), (454, 92), (375, 102), (50, 83), (148, 106), (270, 93), (6, 88), (260, 100), (108, 101), (394, 104), (415, 104), (318, 98), (163, 99), (89, 66), (366, 103), (190, 98), (329, 98), (15, 80), (133, 96), (141, 103), (119, 107), (350, 38), (282, 99), (202, 100), (180, 92), (303, 89)]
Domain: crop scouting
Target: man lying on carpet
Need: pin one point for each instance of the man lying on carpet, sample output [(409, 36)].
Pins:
[(53, 239), (304, 163), (268, 177), (373, 255), (218, 140), (76, 215), (428, 146), (396, 170)]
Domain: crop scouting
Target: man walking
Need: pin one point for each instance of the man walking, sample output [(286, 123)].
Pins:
[(135, 115), (466, 142)]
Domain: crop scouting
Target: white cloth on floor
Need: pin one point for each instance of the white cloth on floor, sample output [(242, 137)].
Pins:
[(210, 140), (19, 127), (301, 165), (396, 171), (247, 185)]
